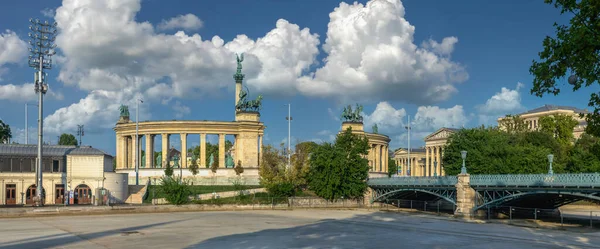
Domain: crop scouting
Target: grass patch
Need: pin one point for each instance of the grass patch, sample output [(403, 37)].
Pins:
[(156, 191)]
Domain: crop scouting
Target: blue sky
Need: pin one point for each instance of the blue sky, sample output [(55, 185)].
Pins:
[(443, 63)]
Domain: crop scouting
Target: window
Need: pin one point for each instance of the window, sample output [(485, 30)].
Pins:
[(55, 166)]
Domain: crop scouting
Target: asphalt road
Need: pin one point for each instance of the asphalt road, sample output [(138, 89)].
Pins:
[(277, 229)]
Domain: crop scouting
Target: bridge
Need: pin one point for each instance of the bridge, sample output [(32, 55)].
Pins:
[(471, 193)]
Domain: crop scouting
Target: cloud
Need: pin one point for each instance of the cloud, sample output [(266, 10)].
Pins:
[(387, 118), (506, 101), (48, 12), (427, 119), (371, 55), (185, 22), (19, 134), (333, 115), (25, 92), (12, 50), (180, 110)]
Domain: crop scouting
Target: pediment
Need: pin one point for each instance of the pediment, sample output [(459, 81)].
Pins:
[(442, 133)]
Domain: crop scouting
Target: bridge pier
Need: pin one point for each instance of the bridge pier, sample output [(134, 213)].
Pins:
[(465, 197)]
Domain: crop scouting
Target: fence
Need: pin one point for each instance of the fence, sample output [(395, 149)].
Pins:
[(581, 218)]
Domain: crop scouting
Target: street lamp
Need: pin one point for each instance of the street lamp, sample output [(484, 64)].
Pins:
[(463, 170), (137, 141), (550, 159), (41, 51), (289, 119), (435, 168)]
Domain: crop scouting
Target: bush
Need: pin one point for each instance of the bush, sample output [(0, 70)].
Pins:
[(176, 192), (214, 166), (239, 169), (282, 189), (168, 170)]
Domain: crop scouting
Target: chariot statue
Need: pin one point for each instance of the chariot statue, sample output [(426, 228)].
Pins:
[(124, 110), (352, 116)]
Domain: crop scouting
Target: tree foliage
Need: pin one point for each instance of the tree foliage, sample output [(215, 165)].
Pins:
[(194, 169), (574, 51), (492, 151), (238, 168), (67, 139), (559, 126), (5, 133), (168, 169), (340, 169), (176, 192), (513, 124), (585, 155), (392, 167), (272, 172)]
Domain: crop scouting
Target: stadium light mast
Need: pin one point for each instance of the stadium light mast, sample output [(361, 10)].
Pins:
[(41, 49), (80, 133)]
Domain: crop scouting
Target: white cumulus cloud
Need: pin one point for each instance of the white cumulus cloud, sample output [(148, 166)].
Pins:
[(185, 22), (12, 50), (372, 56), (25, 93), (506, 101), (387, 118)]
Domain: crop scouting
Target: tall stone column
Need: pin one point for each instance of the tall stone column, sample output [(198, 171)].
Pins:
[(139, 151), (202, 150), (183, 150), (438, 155), (130, 149), (149, 150), (387, 159), (465, 197), (260, 145), (426, 156), (165, 150), (442, 171), (221, 150)]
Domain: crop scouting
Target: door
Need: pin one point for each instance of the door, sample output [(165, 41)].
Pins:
[(83, 194), (11, 194), (59, 194), (30, 194)]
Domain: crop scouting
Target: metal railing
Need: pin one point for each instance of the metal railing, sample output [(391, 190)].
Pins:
[(414, 181), (538, 180), (580, 218)]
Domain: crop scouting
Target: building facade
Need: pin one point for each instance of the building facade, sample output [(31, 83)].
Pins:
[(532, 117), (417, 161), (378, 154), (81, 170)]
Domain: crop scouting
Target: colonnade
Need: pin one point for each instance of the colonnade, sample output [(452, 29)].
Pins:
[(433, 154), (378, 157), (126, 145), (415, 168)]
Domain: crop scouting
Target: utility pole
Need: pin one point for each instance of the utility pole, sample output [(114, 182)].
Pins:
[(80, 133), (137, 141), (41, 50), (289, 119), (408, 128)]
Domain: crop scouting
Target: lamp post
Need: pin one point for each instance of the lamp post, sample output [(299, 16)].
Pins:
[(408, 170), (289, 119), (463, 170), (41, 51), (435, 168), (137, 141), (550, 159)]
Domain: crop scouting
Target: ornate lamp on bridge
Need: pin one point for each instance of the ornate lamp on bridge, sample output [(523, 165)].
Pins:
[(463, 170), (435, 168), (550, 158)]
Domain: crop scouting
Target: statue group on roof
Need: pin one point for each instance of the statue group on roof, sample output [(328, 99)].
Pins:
[(352, 116)]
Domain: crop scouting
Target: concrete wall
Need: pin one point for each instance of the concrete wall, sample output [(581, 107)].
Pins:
[(204, 177), (108, 163), (117, 184)]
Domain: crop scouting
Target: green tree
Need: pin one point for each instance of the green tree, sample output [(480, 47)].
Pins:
[(300, 161), (584, 157), (392, 167), (574, 51), (272, 166), (5, 133), (176, 192), (492, 151), (194, 169), (513, 124), (559, 126), (168, 170), (238, 168), (340, 169), (67, 139)]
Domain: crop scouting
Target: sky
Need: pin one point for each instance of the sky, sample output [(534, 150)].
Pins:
[(439, 63)]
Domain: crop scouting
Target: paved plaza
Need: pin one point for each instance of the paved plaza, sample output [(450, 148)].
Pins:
[(277, 229)]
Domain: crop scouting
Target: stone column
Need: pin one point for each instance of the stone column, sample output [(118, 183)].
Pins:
[(202, 150), (165, 150), (426, 156), (221, 150), (439, 159), (149, 150), (442, 171), (122, 153), (183, 160), (130, 149), (387, 159), (260, 145)]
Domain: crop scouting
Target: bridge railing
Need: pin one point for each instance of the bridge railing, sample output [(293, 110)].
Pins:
[(538, 180), (414, 181)]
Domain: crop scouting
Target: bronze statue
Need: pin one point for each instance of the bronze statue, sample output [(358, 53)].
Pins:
[(159, 161), (375, 129), (124, 110), (352, 116), (229, 161), (239, 63)]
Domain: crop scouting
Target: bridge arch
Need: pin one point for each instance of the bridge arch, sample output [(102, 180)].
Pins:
[(518, 195), (449, 196)]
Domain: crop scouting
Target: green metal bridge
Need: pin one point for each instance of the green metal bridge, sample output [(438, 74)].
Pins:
[(535, 190)]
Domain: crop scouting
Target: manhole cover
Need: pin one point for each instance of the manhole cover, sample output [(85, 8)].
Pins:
[(127, 233)]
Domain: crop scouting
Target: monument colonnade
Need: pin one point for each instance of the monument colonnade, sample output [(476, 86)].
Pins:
[(247, 145)]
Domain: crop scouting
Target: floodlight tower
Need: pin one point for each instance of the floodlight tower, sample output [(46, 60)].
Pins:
[(41, 50), (80, 133)]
